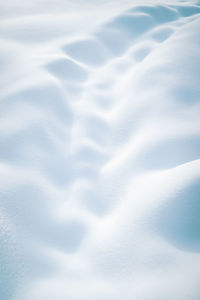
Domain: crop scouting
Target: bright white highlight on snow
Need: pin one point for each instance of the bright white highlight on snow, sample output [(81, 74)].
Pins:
[(99, 150)]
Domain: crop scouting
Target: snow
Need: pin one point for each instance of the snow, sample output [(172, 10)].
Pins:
[(99, 150)]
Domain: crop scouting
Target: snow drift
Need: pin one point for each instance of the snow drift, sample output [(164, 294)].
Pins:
[(99, 150)]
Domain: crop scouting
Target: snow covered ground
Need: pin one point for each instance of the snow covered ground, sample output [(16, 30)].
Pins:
[(99, 150)]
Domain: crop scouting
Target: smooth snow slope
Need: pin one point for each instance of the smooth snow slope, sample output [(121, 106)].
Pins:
[(99, 150)]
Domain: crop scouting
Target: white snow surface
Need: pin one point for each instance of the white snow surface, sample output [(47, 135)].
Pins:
[(99, 150)]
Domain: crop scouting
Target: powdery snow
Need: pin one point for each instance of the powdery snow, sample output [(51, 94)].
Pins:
[(99, 150)]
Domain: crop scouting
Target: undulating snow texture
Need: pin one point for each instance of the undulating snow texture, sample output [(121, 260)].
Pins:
[(99, 150)]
